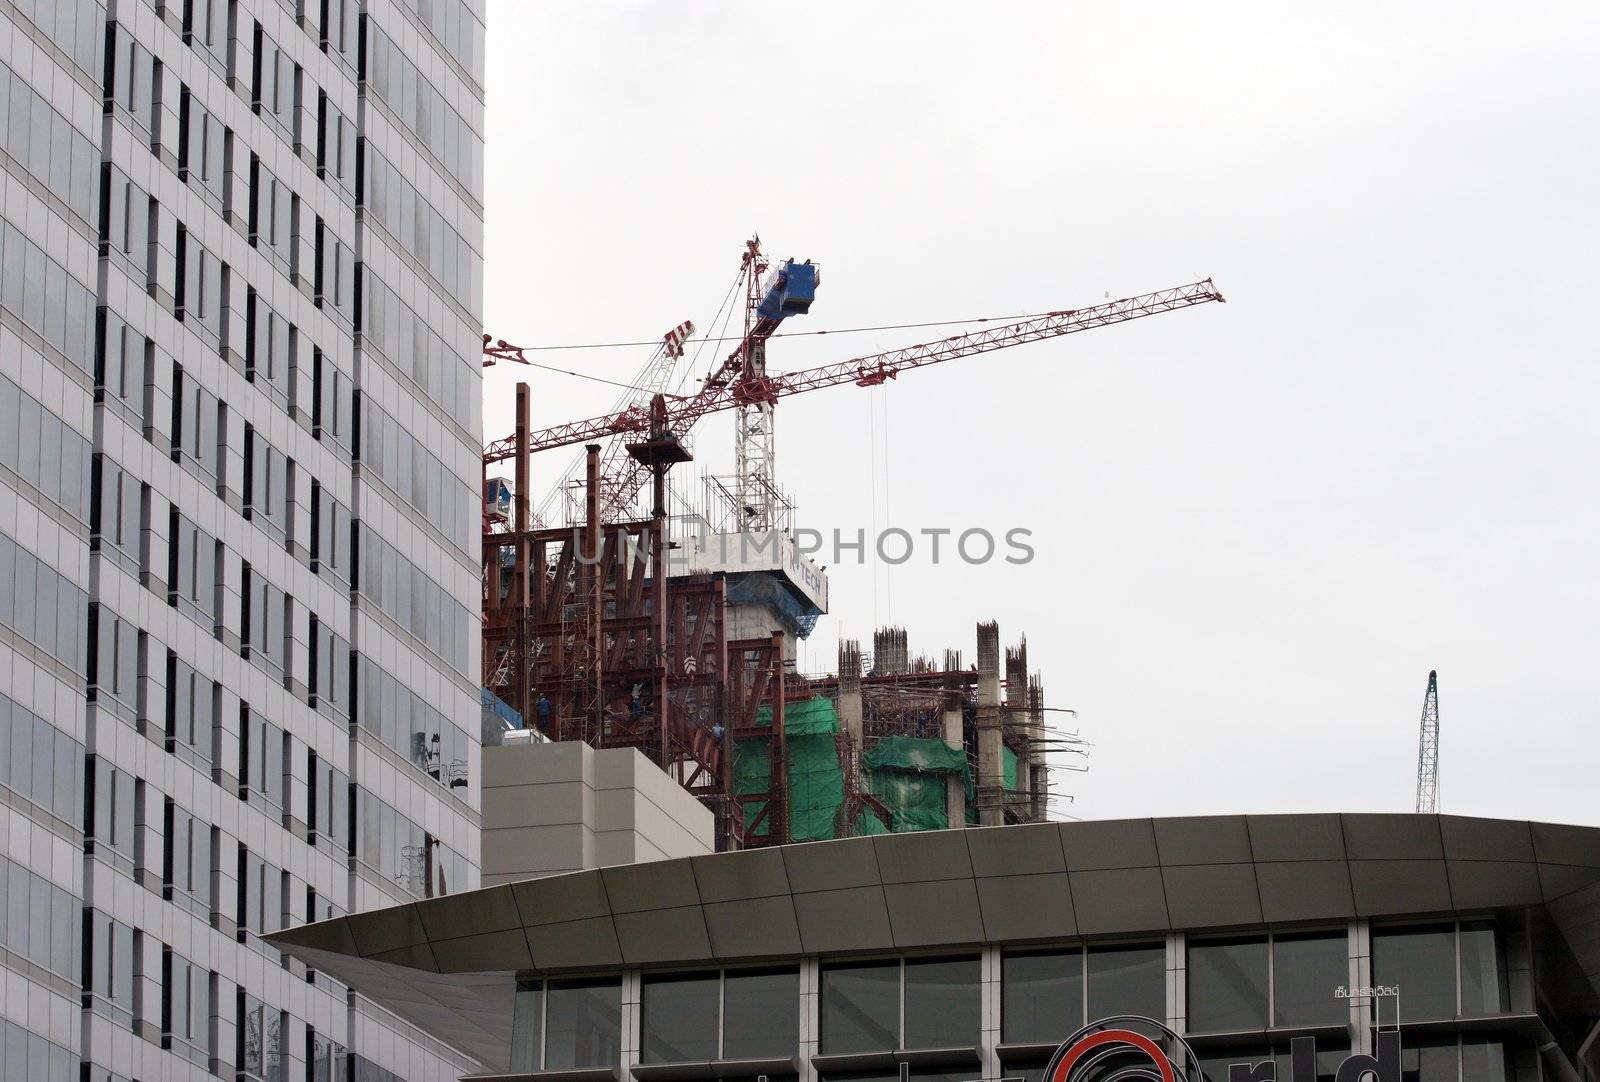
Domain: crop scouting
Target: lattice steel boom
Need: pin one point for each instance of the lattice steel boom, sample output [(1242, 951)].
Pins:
[(732, 386), (1428, 750)]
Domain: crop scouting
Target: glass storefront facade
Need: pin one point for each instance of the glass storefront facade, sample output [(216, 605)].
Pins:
[(1238, 998)]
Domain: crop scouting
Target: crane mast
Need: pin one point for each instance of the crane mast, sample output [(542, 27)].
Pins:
[(755, 441), (1428, 750), (767, 302)]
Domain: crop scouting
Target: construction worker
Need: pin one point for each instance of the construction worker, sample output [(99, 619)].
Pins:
[(542, 709), (636, 702)]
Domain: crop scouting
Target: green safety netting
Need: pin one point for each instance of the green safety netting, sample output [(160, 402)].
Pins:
[(816, 782), (915, 754), (868, 823), (1008, 767), (810, 717), (915, 801), (908, 774)]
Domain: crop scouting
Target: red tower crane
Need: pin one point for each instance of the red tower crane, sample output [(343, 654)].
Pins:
[(734, 384), (570, 615)]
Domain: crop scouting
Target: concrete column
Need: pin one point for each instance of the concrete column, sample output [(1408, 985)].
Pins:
[(810, 1013), (890, 655), (991, 767), (1013, 719), (1038, 771), (1021, 721), (1360, 940), (955, 793), (989, 1008), (631, 1036), (849, 704), (1177, 983)]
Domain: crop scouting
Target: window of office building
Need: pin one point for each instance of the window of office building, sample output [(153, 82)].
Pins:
[(264, 896), (119, 368), (1483, 977), (679, 1017), (40, 762), (327, 1059), (191, 713), (861, 1007), (942, 1003), (527, 1026), (114, 512), (191, 569), (1422, 961), (111, 813), (261, 759), (205, 29), (185, 1006), (1438, 1059), (186, 859), (1307, 970), (327, 803), (111, 955), (26, 426), (196, 427), (40, 921), (751, 1014), (33, 1057), (1229, 981), (1228, 984), (328, 672), (1442, 970), (582, 1024), (1486, 1060), (1041, 996), (761, 1014), (1128, 980)]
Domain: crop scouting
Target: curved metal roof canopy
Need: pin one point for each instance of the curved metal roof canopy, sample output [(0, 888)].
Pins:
[(450, 964)]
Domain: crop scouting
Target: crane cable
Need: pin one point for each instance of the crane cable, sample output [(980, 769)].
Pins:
[(792, 334), (621, 401), (694, 362)]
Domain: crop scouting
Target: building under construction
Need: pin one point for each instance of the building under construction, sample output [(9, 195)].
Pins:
[(588, 635), (618, 622)]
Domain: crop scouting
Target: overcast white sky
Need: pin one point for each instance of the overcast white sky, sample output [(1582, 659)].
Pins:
[(1258, 525)]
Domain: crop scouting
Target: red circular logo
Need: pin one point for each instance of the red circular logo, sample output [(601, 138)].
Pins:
[(1112, 1050)]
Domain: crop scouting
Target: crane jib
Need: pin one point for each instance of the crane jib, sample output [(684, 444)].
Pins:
[(869, 371)]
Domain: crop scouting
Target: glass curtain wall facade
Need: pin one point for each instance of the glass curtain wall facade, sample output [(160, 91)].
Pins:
[(1237, 998), (240, 421)]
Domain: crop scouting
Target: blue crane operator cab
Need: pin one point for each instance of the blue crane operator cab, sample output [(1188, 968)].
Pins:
[(790, 290)]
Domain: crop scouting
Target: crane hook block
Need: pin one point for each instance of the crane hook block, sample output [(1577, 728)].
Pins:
[(790, 290)]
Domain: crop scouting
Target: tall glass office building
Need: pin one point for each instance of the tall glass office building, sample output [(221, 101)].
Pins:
[(240, 301)]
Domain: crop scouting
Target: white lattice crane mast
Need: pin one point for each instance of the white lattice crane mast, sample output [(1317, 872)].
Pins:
[(1428, 750), (733, 385)]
